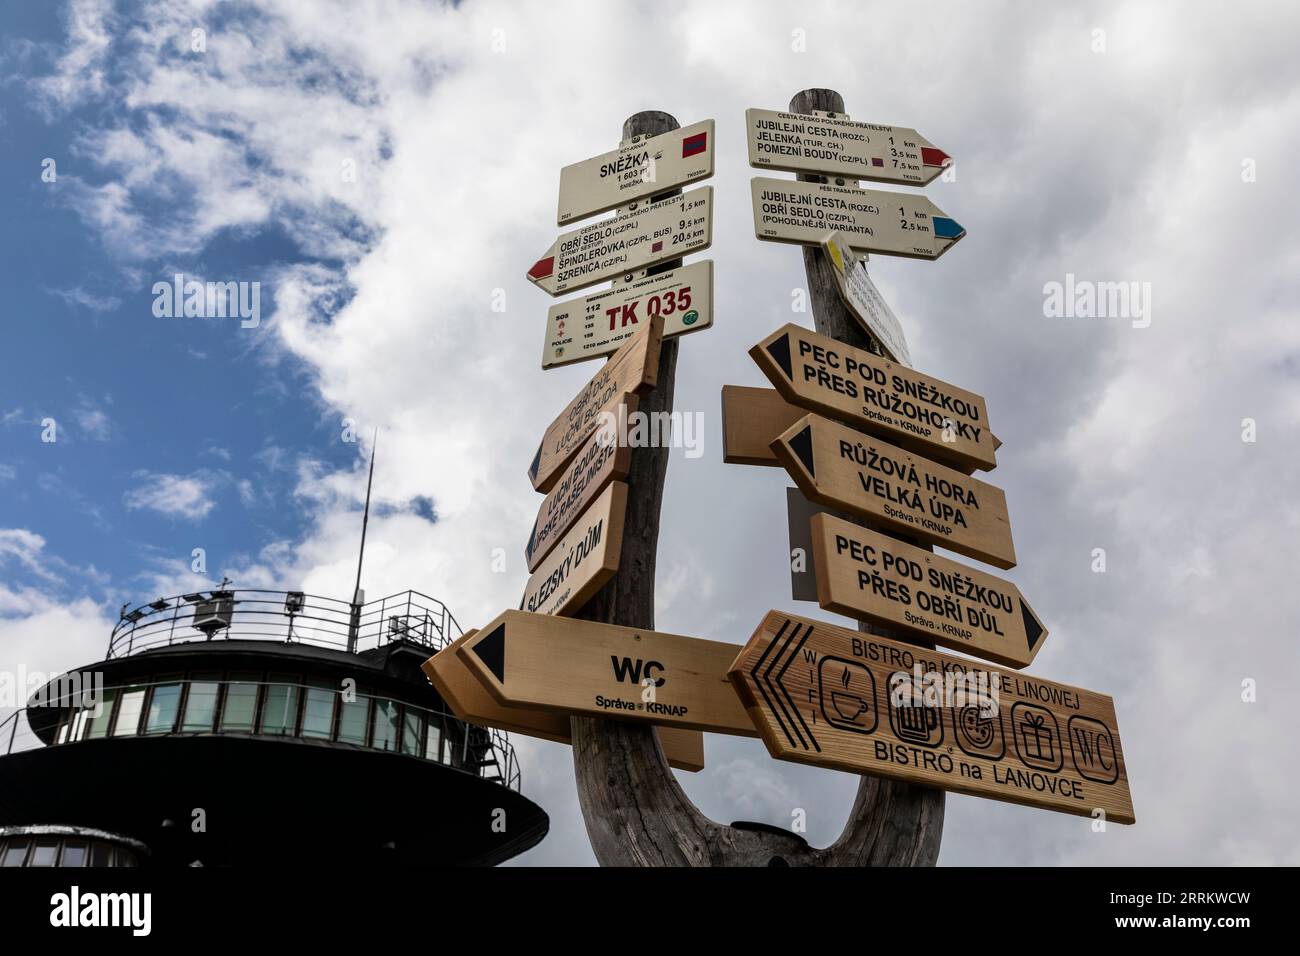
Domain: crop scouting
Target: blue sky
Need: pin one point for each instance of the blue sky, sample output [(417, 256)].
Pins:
[(387, 170)]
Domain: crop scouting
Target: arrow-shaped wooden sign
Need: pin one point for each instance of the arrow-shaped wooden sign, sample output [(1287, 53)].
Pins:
[(800, 143), (876, 578), (873, 394), (470, 701), (835, 697), (834, 465), (633, 368), (601, 670), (751, 419), (639, 168), (632, 240), (871, 220), (582, 560)]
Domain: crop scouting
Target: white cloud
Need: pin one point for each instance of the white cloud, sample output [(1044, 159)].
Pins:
[(1116, 166), (77, 296), (177, 496)]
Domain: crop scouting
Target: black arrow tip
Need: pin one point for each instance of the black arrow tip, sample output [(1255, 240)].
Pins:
[(780, 350), (1033, 630), (492, 652), (537, 461), (802, 445)]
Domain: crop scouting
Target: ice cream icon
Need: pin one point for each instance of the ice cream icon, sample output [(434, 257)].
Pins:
[(848, 694)]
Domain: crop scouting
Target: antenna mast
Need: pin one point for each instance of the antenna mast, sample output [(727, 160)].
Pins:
[(357, 595)]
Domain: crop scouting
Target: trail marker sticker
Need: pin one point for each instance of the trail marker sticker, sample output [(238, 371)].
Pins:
[(872, 220), (871, 393), (834, 465), (834, 697), (602, 670), (637, 239), (864, 300), (800, 143), (596, 325), (641, 168), (583, 560), (873, 577)]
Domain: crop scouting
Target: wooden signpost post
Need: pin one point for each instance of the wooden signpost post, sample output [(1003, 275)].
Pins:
[(597, 325), (871, 576), (871, 220), (834, 697), (873, 394), (583, 559), (470, 701), (601, 670), (633, 368), (834, 465), (644, 166), (839, 146), (599, 462), (632, 240), (864, 299)]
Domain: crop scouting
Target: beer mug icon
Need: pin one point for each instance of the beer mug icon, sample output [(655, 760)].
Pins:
[(912, 720)]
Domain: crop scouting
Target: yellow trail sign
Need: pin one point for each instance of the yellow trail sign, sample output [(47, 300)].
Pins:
[(632, 240), (834, 465), (637, 169), (873, 394), (871, 220), (633, 368), (834, 697), (470, 701), (874, 577), (581, 561), (602, 670)]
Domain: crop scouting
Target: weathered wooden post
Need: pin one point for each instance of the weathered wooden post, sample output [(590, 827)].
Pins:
[(635, 812)]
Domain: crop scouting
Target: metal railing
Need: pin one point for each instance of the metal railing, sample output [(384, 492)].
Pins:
[(481, 751), (287, 616)]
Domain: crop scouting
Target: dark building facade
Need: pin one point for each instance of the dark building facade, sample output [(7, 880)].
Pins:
[(239, 727)]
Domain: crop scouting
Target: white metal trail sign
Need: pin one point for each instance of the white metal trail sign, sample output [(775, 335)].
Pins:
[(801, 143), (864, 300), (646, 236), (872, 220), (637, 169)]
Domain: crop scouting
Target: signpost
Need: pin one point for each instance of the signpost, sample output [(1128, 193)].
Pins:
[(470, 701), (880, 579), (834, 465), (633, 368), (839, 146), (873, 394), (584, 559), (751, 419), (600, 461), (834, 697), (872, 220), (632, 240), (602, 670), (639, 168), (864, 299), (596, 325)]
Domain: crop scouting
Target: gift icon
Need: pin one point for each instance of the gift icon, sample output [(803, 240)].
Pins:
[(1038, 738)]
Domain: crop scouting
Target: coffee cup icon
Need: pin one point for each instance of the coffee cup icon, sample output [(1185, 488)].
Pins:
[(848, 694)]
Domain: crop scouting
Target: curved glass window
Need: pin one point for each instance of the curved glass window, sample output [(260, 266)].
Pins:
[(240, 706), (127, 723), (164, 703), (280, 707), (384, 725), (318, 711), (98, 723), (352, 720), (412, 731), (200, 705)]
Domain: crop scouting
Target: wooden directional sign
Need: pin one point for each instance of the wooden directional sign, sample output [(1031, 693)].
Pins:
[(633, 368), (637, 239), (864, 300), (800, 143), (640, 168), (835, 697), (583, 560), (602, 670), (596, 325), (834, 465), (470, 701), (872, 577), (892, 224), (600, 461), (871, 393), (751, 419)]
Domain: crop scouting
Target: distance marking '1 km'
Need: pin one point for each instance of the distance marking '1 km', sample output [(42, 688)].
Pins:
[(835, 697), (596, 325), (637, 239), (872, 220)]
